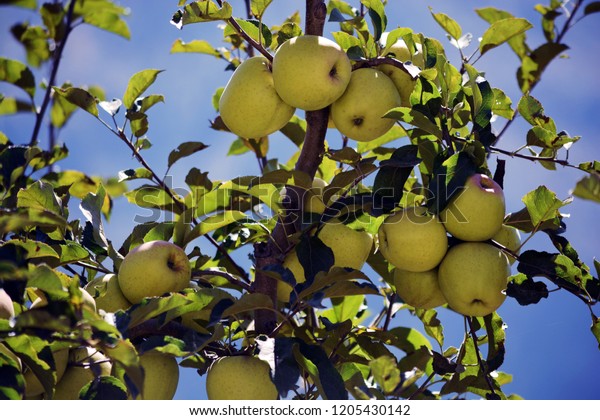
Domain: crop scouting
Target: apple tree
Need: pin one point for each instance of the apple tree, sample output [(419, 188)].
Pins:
[(301, 264)]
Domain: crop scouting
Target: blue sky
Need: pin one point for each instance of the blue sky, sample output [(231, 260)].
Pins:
[(550, 350)]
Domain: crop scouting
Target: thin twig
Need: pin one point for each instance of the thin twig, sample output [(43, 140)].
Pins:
[(55, 64)]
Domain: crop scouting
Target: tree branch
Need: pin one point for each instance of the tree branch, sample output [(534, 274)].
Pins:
[(55, 64), (311, 154)]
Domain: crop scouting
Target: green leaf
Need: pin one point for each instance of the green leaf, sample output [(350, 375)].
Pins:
[(448, 24), (12, 384), (138, 83), (501, 31), (346, 308), (385, 373), (295, 130), (542, 204), (18, 74), (79, 97), (238, 147), (150, 196), (316, 363), (28, 4), (534, 64), (287, 31), (247, 303), (33, 249), (104, 14), (10, 106), (388, 186), (138, 173), (40, 196), (62, 109), (215, 222), (596, 329), (449, 176), (258, 7), (195, 46), (152, 307), (431, 323), (377, 15), (517, 42), (183, 150), (502, 104), (415, 118), (35, 41), (591, 167), (254, 28), (201, 11), (532, 111), (526, 291), (588, 188), (104, 388)]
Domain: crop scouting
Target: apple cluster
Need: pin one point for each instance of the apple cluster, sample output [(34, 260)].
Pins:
[(311, 72), (470, 276), (151, 269)]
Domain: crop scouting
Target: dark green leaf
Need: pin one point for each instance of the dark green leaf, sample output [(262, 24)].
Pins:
[(314, 256), (588, 188), (37, 355), (80, 97), (104, 388), (596, 329), (249, 302), (501, 31), (195, 46), (183, 150), (525, 290), (593, 7), (316, 363), (18, 74), (449, 175), (12, 383), (495, 326), (388, 186), (138, 83), (377, 15), (91, 207), (28, 4), (448, 24)]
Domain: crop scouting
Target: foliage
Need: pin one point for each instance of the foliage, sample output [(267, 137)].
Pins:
[(323, 344)]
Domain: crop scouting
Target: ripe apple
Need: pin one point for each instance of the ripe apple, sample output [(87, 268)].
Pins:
[(510, 238), (310, 72), (358, 113), (7, 309), (109, 296), (161, 376), (413, 240), (476, 212), (420, 290), (33, 386), (350, 249), (473, 277), (153, 269), (84, 363), (249, 106), (240, 378), (402, 80)]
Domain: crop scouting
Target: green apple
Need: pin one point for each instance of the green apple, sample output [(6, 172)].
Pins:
[(240, 378), (7, 309), (33, 386), (249, 106), (510, 238), (420, 290), (473, 278), (476, 212), (350, 248), (402, 80), (153, 269), (85, 363), (413, 239), (108, 294), (358, 113), (161, 376), (310, 72)]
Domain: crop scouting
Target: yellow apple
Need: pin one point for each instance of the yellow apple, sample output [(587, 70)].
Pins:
[(249, 106), (510, 238), (413, 240), (108, 294), (420, 290), (7, 309), (153, 269), (161, 376), (33, 386), (476, 212), (240, 378), (473, 278), (310, 72), (350, 249), (85, 363), (402, 80), (358, 113)]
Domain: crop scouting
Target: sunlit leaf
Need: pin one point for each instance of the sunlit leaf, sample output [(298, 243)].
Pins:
[(501, 31), (385, 373), (201, 11), (542, 204), (448, 24), (104, 388), (80, 97), (415, 118), (18, 74), (195, 46), (588, 188), (138, 83), (258, 7), (40, 196), (377, 15), (215, 222)]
